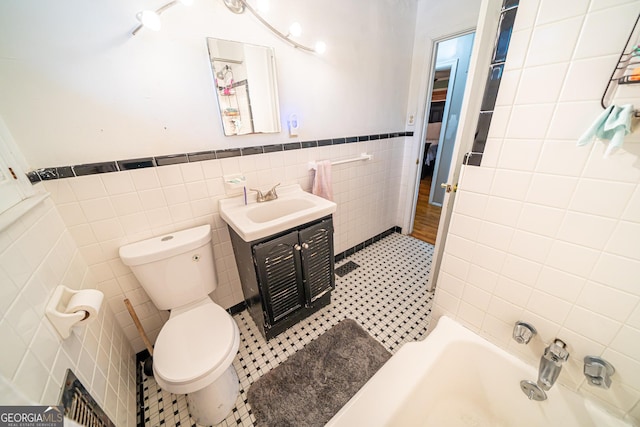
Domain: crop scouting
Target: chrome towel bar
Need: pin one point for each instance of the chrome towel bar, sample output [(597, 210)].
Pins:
[(361, 157)]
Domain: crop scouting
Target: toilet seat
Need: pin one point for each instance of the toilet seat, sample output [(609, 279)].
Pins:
[(194, 348)]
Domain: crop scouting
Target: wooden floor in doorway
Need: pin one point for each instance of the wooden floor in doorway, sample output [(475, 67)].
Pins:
[(425, 224)]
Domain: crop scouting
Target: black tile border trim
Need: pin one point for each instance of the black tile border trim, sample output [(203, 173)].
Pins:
[(360, 246), (291, 146), (231, 152), (130, 164), (237, 308), (248, 151), (509, 10), (201, 156), (33, 176), (309, 144), (172, 159), (273, 148), (93, 168), (59, 172)]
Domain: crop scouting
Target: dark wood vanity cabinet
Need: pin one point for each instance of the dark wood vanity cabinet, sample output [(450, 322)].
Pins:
[(288, 276)]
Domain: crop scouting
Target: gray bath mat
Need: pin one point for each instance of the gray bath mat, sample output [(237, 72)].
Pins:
[(313, 384)]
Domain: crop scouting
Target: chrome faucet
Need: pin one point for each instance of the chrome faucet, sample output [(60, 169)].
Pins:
[(269, 195), (551, 363)]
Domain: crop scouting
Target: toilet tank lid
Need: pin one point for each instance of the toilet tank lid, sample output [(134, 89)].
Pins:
[(166, 246)]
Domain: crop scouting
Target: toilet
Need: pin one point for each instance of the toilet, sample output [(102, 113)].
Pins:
[(194, 351)]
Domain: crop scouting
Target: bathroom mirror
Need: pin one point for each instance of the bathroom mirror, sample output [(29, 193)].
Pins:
[(244, 77)]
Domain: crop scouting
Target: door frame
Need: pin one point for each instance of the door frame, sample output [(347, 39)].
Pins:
[(427, 110), (481, 53), (483, 46)]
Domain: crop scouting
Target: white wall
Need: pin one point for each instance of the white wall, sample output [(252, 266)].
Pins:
[(37, 253), (546, 231), (76, 87)]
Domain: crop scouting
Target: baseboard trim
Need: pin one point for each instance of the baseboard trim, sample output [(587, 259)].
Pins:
[(360, 246)]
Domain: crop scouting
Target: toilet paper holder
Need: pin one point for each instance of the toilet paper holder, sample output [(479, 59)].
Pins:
[(68, 308)]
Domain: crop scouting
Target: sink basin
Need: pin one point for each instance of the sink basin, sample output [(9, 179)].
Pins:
[(293, 207), (265, 212)]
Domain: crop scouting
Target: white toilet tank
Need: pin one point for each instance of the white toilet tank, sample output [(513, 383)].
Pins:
[(174, 269)]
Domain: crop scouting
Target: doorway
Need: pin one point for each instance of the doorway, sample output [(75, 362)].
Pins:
[(427, 214), (450, 69)]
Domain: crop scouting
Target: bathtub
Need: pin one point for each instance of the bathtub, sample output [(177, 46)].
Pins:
[(456, 378)]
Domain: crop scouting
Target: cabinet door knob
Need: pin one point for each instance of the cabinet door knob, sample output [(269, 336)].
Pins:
[(297, 247), (305, 245)]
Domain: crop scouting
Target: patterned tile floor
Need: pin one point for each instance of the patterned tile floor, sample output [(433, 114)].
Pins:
[(387, 295)]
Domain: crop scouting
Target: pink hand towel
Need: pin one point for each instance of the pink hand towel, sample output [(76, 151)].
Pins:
[(322, 180)]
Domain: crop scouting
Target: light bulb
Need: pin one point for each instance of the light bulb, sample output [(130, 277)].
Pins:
[(262, 5), (295, 29), (320, 47), (149, 19)]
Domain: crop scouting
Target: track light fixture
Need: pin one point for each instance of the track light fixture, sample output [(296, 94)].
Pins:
[(239, 6), (151, 19)]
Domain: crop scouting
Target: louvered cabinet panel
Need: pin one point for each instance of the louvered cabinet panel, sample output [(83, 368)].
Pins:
[(279, 273), (317, 260), (288, 276)]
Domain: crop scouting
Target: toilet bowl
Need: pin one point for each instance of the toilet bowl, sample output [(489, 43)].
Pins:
[(195, 348), (193, 355)]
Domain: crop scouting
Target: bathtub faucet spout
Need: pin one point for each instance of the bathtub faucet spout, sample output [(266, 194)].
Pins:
[(551, 363)]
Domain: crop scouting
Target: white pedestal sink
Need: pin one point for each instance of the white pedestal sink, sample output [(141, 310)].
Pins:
[(293, 207)]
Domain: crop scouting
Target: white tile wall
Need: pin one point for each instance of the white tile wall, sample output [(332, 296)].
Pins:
[(550, 12), (555, 238), (532, 78), (38, 252), (104, 212)]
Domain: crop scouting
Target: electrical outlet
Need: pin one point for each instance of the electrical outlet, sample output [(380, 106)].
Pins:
[(294, 126), (412, 120)]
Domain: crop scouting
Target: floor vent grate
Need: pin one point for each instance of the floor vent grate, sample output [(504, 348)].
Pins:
[(79, 406), (346, 268)]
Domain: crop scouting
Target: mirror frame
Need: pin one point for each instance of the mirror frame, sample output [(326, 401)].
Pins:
[(245, 82)]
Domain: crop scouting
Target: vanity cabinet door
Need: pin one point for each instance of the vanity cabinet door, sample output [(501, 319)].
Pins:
[(279, 274), (316, 244)]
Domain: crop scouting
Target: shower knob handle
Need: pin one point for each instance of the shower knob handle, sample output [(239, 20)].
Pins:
[(523, 332)]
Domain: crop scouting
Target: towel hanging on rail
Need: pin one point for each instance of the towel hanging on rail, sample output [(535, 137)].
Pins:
[(612, 125), (322, 185)]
